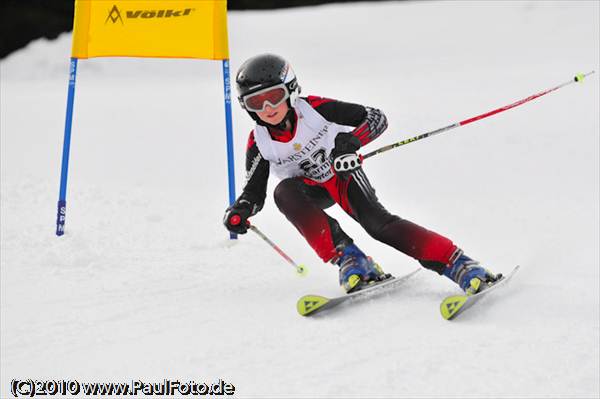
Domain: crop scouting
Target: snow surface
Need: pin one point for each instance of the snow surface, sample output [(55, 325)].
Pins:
[(146, 284)]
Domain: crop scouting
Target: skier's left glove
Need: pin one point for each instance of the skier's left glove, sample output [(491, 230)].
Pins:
[(236, 216), (344, 158)]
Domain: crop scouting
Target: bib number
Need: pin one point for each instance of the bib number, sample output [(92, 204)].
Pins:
[(317, 158)]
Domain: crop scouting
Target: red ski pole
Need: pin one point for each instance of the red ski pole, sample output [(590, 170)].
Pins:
[(300, 269), (578, 78)]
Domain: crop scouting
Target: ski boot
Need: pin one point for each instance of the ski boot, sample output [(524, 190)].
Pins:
[(356, 269), (470, 276)]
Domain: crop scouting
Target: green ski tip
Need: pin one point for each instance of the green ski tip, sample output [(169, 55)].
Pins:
[(451, 305), (309, 303)]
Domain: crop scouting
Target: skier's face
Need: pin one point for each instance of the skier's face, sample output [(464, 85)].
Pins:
[(273, 116)]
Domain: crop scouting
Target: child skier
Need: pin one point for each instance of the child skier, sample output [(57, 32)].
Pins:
[(311, 143)]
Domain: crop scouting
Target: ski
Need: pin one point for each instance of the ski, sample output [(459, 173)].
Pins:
[(454, 305), (309, 305)]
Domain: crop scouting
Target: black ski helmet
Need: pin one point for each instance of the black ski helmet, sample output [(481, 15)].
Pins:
[(263, 71)]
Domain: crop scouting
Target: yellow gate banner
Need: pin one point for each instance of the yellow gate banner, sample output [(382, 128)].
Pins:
[(150, 28)]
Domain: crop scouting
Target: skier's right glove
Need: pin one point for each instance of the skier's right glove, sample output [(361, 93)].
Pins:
[(236, 216)]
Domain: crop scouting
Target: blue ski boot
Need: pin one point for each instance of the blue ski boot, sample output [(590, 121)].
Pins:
[(469, 275), (356, 269)]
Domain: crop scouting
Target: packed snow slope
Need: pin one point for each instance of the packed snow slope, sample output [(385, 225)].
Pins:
[(146, 285)]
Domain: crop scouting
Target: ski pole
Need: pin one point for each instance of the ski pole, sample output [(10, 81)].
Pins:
[(578, 78), (300, 269)]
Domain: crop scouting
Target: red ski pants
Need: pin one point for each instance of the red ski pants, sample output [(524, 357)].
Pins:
[(303, 202)]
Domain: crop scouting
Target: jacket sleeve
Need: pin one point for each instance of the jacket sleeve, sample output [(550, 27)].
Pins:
[(257, 176), (369, 123)]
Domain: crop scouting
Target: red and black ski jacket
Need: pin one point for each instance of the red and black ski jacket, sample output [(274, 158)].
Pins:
[(368, 124)]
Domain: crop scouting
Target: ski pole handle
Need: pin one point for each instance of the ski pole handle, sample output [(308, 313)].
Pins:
[(578, 78), (235, 220), (301, 270)]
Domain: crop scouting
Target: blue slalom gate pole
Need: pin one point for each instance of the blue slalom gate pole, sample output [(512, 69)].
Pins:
[(229, 126), (62, 196)]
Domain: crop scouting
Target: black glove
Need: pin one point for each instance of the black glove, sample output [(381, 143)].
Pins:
[(236, 216), (344, 157)]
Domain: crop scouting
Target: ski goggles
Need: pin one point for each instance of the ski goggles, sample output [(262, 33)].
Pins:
[(273, 96)]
